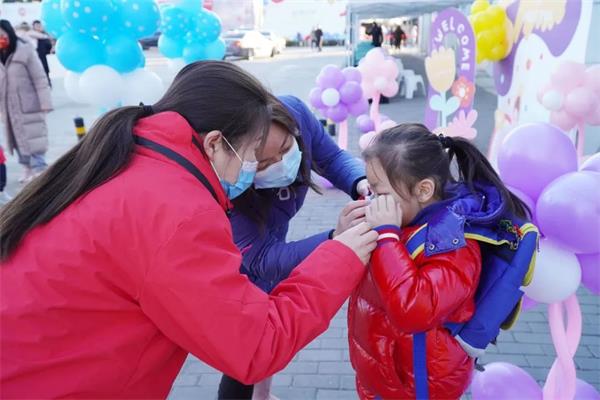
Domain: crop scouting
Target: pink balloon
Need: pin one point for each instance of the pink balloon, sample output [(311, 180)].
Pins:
[(315, 98), (369, 90), (375, 55), (533, 155), (350, 92), (579, 102), (391, 90), (504, 381), (567, 212), (568, 76), (366, 139), (592, 163), (594, 117), (563, 120), (590, 271), (585, 391), (592, 78), (390, 69), (387, 125), (540, 94)]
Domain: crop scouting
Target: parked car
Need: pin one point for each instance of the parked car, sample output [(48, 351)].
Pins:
[(333, 39), (151, 41), (277, 40), (248, 44)]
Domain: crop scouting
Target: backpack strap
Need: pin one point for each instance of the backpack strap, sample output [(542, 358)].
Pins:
[(179, 159)]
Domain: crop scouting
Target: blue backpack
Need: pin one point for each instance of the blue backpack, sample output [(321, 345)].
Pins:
[(508, 253)]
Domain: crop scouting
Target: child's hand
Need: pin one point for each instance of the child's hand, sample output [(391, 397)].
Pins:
[(384, 210), (351, 215)]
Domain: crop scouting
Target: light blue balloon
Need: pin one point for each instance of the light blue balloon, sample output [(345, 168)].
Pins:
[(123, 53), (138, 18), (89, 16), (169, 47), (52, 18), (194, 52), (208, 27), (175, 22), (190, 6), (77, 52), (215, 50)]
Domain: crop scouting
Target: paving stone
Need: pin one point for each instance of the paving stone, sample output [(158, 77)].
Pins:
[(590, 364), (341, 368), (327, 343), (210, 379), (332, 333), (186, 380), (520, 348), (198, 367), (301, 367), (193, 393), (321, 355), (336, 395), (294, 393), (591, 377), (282, 380), (319, 381), (540, 361), (348, 382), (532, 338), (517, 359)]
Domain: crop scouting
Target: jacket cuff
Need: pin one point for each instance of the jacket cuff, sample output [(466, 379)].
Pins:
[(355, 195), (387, 234)]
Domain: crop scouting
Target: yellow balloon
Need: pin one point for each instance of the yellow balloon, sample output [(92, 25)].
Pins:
[(486, 40), (497, 53), (481, 22), (479, 6), (496, 14)]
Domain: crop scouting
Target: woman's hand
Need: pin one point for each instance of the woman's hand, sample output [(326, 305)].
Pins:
[(361, 239), (362, 188), (352, 214), (384, 210)]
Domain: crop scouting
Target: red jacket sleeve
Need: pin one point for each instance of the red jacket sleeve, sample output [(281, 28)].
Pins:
[(197, 297), (419, 297)]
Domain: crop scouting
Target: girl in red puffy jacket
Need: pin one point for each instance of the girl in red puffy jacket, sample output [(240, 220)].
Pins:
[(398, 344)]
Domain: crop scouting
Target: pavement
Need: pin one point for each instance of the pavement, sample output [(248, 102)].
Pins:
[(322, 370)]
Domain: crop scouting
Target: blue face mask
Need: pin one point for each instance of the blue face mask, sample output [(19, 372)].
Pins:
[(281, 174), (245, 177)]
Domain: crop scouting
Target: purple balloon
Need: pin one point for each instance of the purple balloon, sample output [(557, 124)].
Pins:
[(590, 271), (525, 199), (533, 155), (568, 212), (315, 98), (352, 74), (504, 381), (358, 108), (592, 163), (365, 123), (350, 93), (338, 113), (330, 77), (585, 391), (528, 303)]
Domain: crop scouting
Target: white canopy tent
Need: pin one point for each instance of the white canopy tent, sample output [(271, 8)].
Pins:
[(358, 10)]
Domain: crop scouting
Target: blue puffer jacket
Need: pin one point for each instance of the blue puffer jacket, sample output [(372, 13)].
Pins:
[(268, 258)]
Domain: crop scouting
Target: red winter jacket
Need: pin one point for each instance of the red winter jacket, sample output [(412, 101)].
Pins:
[(399, 297), (107, 299)]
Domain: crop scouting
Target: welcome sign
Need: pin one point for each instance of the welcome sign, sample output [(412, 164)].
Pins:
[(450, 69)]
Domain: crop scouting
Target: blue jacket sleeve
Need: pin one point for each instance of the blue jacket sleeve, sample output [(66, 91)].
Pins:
[(266, 256), (336, 165)]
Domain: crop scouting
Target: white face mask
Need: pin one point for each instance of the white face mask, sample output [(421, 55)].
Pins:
[(281, 174)]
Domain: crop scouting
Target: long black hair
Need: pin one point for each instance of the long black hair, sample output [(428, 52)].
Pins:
[(410, 153), (212, 95), (12, 40)]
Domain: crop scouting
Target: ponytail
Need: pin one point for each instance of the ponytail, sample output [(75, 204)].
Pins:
[(102, 154), (473, 166)]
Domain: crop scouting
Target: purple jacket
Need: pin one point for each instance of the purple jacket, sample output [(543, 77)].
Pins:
[(267, 257)]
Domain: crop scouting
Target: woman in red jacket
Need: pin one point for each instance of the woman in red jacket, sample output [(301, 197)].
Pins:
[(118, 261), (398, 344)]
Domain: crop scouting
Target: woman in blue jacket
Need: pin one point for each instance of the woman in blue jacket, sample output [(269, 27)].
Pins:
[(297, 144)]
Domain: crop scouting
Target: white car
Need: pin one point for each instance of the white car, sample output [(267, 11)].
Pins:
[(277, 40), (248, 44)]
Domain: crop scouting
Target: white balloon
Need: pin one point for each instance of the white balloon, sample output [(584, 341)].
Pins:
[(387, 125), (175, 65), (381, 84), (72, 87), (101, 86), (330, 97), (142, 86), (365, 140), (557, 274), (552, 100)]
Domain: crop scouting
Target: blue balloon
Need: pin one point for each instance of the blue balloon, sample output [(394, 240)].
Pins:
[(208, 27), (190, 6), (89, 16), (194, 52), (176, 22), (169, 47), (123, 53), (52, 18), (77, 52), (138, 18), (215, 50)]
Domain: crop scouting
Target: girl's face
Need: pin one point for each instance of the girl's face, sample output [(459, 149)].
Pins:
[(279, 141), (411, 202), (226, 162), (4, 41)]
